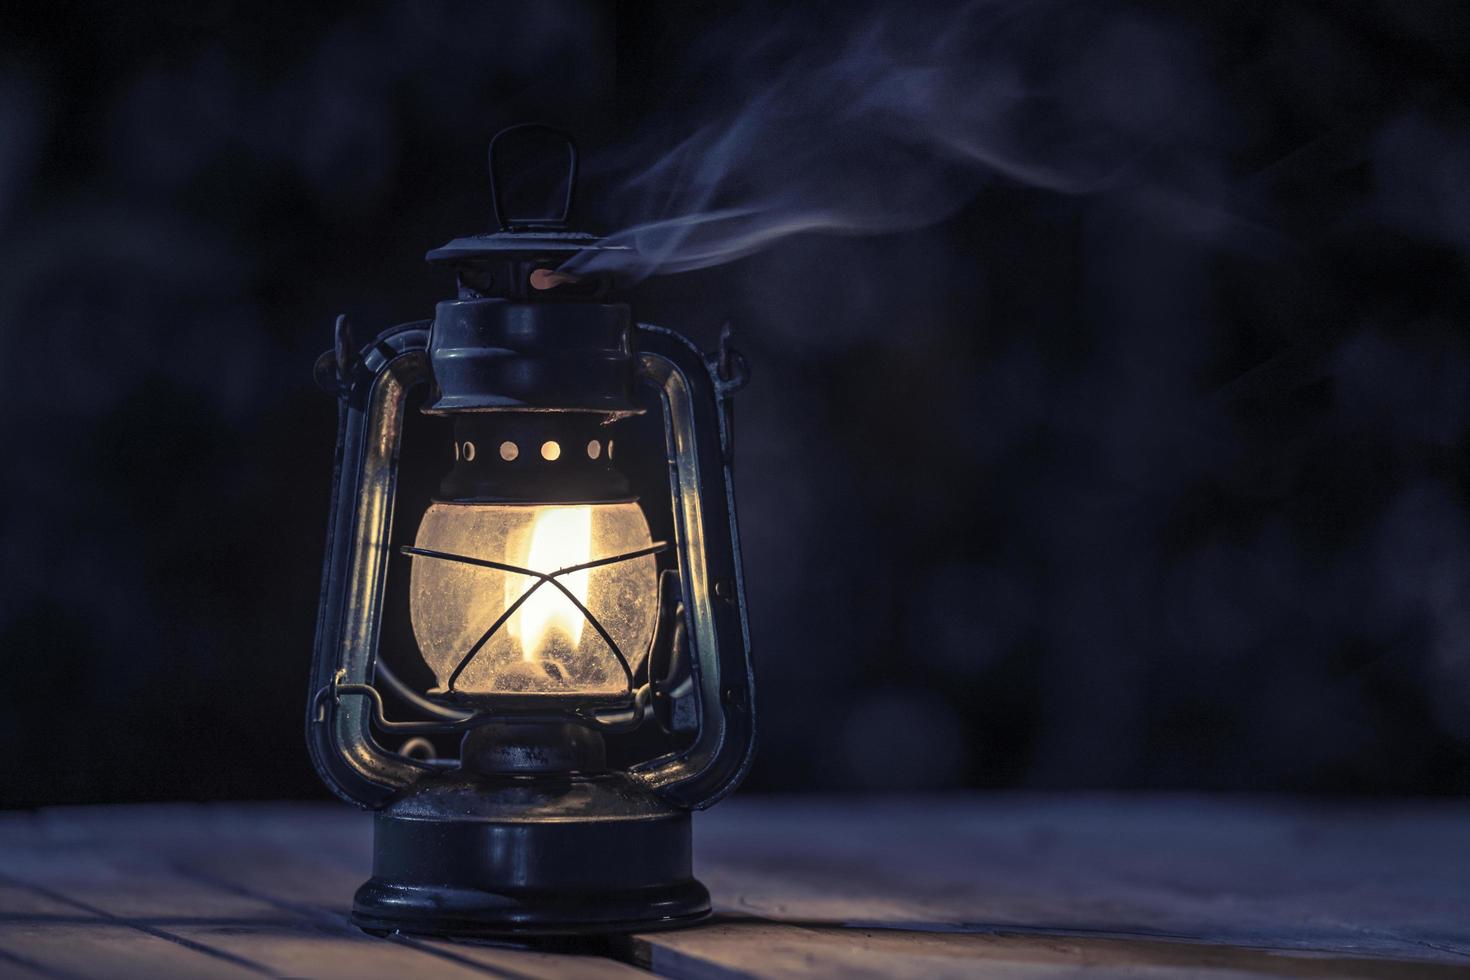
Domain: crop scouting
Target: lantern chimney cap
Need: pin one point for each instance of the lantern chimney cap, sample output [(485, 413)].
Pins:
[(536, 235)]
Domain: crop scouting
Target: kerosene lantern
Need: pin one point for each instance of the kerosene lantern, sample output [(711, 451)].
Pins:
[(531, 658)]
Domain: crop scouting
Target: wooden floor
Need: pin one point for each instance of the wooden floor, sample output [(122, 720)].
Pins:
[(925, 887)]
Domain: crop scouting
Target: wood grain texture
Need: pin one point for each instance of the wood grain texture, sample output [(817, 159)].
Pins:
[(1000, 886), (45, 934), (258, 890), (1040, 886), (735, 947)]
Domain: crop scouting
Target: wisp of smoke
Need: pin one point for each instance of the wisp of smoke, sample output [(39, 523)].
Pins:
[(888, 127)]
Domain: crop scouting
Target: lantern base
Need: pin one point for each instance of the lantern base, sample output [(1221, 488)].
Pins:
[(530, 856)]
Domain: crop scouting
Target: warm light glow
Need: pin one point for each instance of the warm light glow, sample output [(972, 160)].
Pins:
[(560, 538), (546, 646)]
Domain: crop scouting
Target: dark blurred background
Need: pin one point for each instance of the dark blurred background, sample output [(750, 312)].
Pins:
[(1111, 381)]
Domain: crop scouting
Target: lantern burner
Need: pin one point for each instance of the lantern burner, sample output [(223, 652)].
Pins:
[(505, 748)]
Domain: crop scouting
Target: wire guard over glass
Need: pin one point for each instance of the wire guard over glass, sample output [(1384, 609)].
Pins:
[(542, 578)]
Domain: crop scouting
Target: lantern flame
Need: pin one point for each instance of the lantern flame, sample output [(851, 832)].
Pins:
[(560, 538)]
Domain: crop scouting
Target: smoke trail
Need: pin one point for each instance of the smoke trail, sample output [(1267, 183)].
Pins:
[(893, 127)]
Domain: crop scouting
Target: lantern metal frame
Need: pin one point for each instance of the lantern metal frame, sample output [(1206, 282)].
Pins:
[(373, 397), (559, 853)]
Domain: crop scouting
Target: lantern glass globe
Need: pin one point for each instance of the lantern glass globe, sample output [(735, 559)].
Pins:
[(547, 645)]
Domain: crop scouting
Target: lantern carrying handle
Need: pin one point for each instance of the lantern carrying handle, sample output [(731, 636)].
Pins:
[(502, 218)]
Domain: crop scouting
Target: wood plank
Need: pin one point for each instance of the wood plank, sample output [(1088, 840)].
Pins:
[(257, 909), (325, 887), (233, 927), (1297, 876), (732, 947), (14, 966), (871, 882), (298, 879), (108, 951), (45, 934), (311, 868), (531, 962), (271, 882), (955, 886), (173, 830)]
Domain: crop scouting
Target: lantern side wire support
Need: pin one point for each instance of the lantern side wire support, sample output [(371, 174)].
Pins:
[(542, 578), (383, 674), (617, 725), (334, 691)]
